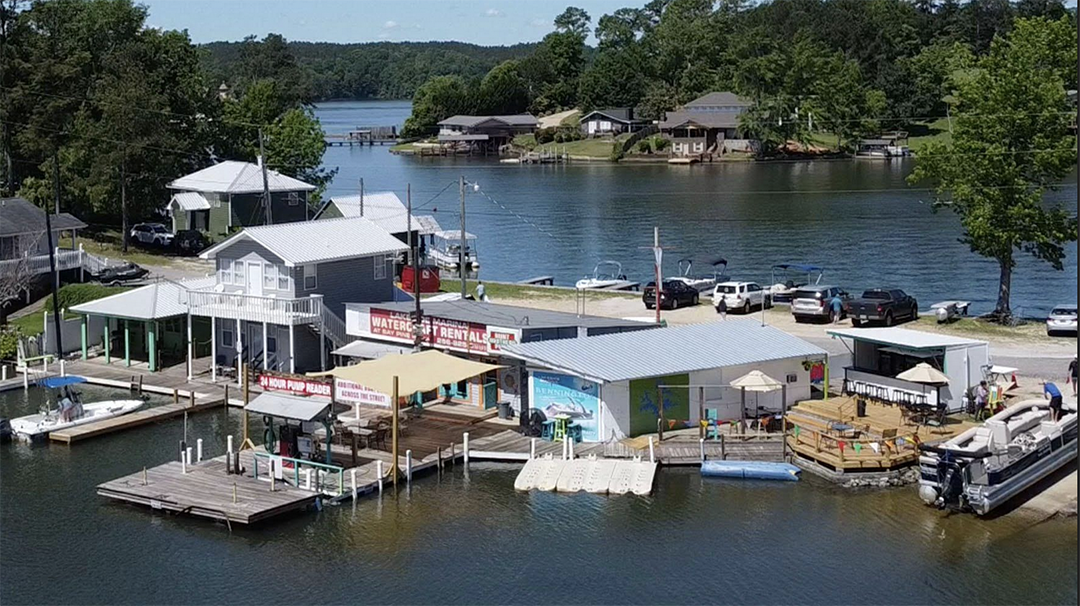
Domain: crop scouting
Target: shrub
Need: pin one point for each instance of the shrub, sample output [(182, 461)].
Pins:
[(660, 144), (644, 147), (9, 339), (545, 135)]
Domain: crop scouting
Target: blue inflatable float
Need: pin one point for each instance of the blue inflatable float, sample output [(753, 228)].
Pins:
[(753, 470)]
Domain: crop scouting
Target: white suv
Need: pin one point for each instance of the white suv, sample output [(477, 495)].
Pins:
[(154, 234), (741, 296)]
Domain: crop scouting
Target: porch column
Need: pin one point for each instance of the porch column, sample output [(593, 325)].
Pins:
[(825, 364), (265, 351), (322, 344), (239, 356), (108, 356), (151, 343), (213, 349), (82, 334), (190, 351), (292, 350), (127, 344)]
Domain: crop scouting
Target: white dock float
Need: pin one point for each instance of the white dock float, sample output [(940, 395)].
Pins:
[(549, 477), (599, 477), (531, 473), (572, 478), (642, 480)]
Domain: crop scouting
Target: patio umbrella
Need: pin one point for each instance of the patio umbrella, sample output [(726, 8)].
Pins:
[(757, 381), (924, 373)]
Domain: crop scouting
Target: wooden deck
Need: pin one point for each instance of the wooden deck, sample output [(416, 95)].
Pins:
[(134, 419), (207, 491), (886, 439)]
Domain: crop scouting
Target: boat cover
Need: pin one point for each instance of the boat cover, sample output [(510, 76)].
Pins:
[(55, 382)]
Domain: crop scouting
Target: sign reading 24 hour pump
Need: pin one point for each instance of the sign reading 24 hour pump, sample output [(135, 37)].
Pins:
[(294, 383)]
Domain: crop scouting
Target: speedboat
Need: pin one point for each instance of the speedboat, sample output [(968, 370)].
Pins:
[(701, 282), (986, 466), (70, 410), (791, 279), (605, 275)]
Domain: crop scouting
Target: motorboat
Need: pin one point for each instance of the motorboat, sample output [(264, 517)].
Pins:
[(789, 277), (987, 465), (701, 282), (445, 252), (605, 275), (70, 410)]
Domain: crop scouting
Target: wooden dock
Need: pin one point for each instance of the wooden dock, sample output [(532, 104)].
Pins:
[(134, 419), (207, 491)]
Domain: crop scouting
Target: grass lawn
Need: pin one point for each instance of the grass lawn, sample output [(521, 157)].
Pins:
[(69, 295), (921, 134), (499, 291), (573, 119), (527, 140), (592, 148), (824, 141), (107, 244), (975, 328)]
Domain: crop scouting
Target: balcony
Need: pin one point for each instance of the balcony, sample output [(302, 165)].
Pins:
[(252, 308)]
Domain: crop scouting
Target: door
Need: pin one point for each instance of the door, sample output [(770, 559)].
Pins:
[(254, 343), (254, 278)]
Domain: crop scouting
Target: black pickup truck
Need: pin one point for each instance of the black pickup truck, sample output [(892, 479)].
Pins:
[(883, 305)]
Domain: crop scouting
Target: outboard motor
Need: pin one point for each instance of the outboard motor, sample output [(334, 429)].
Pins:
[(951, 474)]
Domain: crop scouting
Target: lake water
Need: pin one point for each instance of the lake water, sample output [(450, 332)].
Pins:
[(859, 219), (473, 539)]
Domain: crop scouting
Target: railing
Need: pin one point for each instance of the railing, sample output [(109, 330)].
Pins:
[(872, 451), (39, 264), (253, 308), (891, 389), (334, 327), (297, 464)]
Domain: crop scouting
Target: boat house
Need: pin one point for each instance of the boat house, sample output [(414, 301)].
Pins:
[(476, 330), (229, 194), (384, 209), (613, 385), (611, 121), (485, 133), (708, 125), (878, 355)]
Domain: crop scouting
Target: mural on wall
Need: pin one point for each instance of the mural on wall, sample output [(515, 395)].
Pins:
[(556, 393), (645, 410)]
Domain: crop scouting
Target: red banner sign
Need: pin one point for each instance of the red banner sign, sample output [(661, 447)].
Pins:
[(294, 384), (438, 332)]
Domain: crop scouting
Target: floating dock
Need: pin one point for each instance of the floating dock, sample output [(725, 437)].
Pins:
[(591, 474), (133, 419)]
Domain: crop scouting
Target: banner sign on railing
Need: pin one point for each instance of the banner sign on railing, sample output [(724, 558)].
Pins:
[(295, 384)]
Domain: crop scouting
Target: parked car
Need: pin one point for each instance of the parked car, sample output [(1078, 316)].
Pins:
[(118, 274), (1062, 320), (883, 305), (190, 241), (673, 293), (152, 234), (741, 296), (815, 302)]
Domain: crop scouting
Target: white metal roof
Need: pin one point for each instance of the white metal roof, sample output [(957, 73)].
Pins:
[(288, 406), (163, 299), (453, 234), (233, 177), (370, 350), (903, 337), (384, 209), (306, 242), (190, 200), (666, 351)]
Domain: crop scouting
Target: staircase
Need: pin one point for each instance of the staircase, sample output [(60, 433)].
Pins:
[(333, 328)]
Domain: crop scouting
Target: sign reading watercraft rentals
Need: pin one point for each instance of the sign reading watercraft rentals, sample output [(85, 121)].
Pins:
[(468, 337)]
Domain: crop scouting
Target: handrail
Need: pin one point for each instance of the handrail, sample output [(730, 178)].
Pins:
[(340, 471), (238, 305), (334, 327)]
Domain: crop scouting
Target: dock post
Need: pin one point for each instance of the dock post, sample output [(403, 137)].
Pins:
[(465, 447), (144, 476), (183, 462), (352, 478), (63, 371), (438, 460), (570, 447), (175, 396), (26, 378), (453, 454), (408, 466), (652, 451), (182, 446), (532, 448), (3, 373), (226, 396), (198, 450), (140, 384), (723, 454), (189, 449), (191, 395), (379, 473), (701, 448), (234, 493)]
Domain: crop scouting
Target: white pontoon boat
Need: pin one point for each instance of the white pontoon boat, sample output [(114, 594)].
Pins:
[(70, 410), (791, 279)]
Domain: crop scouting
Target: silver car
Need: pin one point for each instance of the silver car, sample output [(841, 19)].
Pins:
[(1062, 320), (815, 302)]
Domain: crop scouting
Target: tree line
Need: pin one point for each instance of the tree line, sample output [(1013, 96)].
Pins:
[(846, 67), (113, 110)]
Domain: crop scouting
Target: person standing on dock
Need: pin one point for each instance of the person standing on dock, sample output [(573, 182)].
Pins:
[(721, 308)]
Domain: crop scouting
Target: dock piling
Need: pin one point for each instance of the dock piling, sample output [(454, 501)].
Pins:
[(465, 448), (234, 493), (3, 373), (701, 448), (140, 385), (652, 451), (183, 446), (198, 450), (570, 448), (183, 463), (438, 461), (352, 478), (144, 482), (379, 473), (723, 454), (408, 466), (63, 371), (191, 395), (26, 378), (189, 459), (175, 396), (532, 448)]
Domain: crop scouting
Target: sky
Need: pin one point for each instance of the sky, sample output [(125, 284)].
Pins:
[(486, 22)]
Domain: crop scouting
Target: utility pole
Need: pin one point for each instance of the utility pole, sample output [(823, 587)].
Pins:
[(414, 251), (55, 277), (658, 256), (123, 206), (461, 253), (265, 179)]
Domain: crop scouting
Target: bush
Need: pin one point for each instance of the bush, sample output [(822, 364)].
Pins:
[(644, 147), (9, 339), (660, 144), (545, 135)]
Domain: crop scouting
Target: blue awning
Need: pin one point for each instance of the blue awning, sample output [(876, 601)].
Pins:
[(55, 382)]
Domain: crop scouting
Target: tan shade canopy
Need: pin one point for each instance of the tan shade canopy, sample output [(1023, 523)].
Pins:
[(423, 371), (924, 373), (755, 380)]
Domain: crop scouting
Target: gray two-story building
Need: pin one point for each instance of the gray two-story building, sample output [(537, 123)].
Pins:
[(281, 290), (229, 195)]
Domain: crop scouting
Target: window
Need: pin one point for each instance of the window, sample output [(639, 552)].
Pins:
[(238, 273), (380, 267), (282, 277), (293, 199), (226, 337), (311, 277), (270, 276), (225, 271)]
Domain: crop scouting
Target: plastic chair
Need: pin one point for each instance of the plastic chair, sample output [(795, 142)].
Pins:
[(712, 417), (549, 430)]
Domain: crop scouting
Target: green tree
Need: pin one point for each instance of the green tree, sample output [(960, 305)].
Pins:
[(438, 99), (295, 143), (1011, 142), (615, 79), (503, 90)]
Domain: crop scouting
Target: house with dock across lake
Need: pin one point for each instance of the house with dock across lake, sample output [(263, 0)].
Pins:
[(485, 134), (611, 121), (708, 125)]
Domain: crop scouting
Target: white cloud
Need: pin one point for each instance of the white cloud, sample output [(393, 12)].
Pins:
[(494, 12), (390, 25)]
